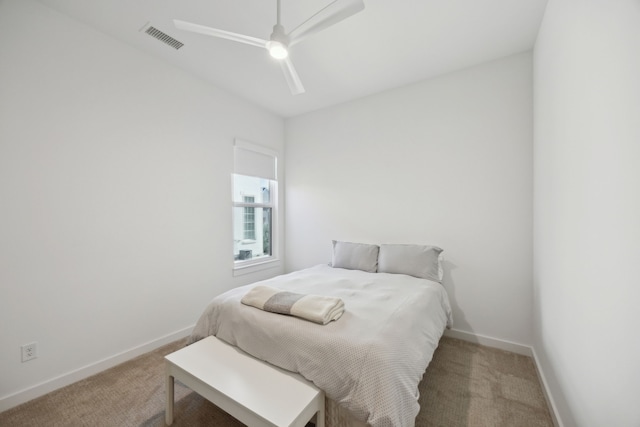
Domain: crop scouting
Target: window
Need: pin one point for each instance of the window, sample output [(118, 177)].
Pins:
[(253, 211), (254, 206)]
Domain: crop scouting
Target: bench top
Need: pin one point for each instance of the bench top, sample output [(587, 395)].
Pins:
[(274, 394)]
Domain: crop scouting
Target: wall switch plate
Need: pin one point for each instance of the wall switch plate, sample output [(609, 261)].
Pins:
[(29, 351)]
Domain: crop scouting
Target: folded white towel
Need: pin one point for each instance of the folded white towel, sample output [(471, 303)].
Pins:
[(316, 308)]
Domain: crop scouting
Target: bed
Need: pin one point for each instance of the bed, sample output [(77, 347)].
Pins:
[(369, 362)]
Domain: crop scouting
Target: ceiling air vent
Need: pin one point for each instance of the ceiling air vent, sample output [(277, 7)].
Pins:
[(164, 38)]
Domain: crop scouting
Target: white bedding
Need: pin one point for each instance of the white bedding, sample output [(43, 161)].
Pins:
[(369, 361)]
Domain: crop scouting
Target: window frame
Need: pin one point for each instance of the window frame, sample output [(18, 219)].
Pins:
[(271, 261), (262, 162)]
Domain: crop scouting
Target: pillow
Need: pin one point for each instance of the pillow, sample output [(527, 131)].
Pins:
[(424, 262), (355, 256)]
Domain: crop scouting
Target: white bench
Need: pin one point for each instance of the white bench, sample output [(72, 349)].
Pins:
[(252, 391)]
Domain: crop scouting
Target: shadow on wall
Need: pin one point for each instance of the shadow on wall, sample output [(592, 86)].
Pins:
[(459, 321)]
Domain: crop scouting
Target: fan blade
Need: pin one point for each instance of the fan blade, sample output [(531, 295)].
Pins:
[(201, 29), (291, 76), (330, 15)]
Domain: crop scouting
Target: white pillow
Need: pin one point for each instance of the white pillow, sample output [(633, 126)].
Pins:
[(420, 261), (355, 256)]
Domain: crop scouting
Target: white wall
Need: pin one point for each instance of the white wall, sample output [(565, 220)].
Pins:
[(587, 209), (115, 189), (446, 161)]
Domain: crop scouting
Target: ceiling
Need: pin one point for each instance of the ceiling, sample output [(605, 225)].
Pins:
[(387, 45)]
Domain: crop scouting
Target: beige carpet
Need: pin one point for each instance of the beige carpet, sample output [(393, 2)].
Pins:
[(465, 385)]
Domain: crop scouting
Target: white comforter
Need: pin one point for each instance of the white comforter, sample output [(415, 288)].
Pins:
[(369, 361)]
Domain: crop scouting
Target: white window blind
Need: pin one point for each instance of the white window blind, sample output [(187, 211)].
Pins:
[(254, 160)]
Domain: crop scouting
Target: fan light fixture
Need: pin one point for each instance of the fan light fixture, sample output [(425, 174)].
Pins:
[(277, 49), (280, 41)]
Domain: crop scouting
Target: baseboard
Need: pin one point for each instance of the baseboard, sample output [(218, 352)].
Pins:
[(515, 348), (489, 342), (48, 386), (555, 416)]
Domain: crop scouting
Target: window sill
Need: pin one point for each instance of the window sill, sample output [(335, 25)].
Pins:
[(239, 270)]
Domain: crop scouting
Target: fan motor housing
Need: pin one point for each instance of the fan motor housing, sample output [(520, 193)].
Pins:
[(278, 35)]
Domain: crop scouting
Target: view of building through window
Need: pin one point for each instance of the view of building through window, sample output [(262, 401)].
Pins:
[(249, 219), (252, 217)]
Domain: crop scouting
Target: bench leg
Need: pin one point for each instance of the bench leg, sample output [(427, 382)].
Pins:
[(168, 416), (320, 415)]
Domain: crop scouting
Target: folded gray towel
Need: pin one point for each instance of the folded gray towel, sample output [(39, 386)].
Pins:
[(316, 308)]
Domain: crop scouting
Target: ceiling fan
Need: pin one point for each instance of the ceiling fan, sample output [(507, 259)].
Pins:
[(279, 42)]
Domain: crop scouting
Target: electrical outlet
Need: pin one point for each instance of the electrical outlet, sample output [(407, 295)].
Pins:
[(29, 351)]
